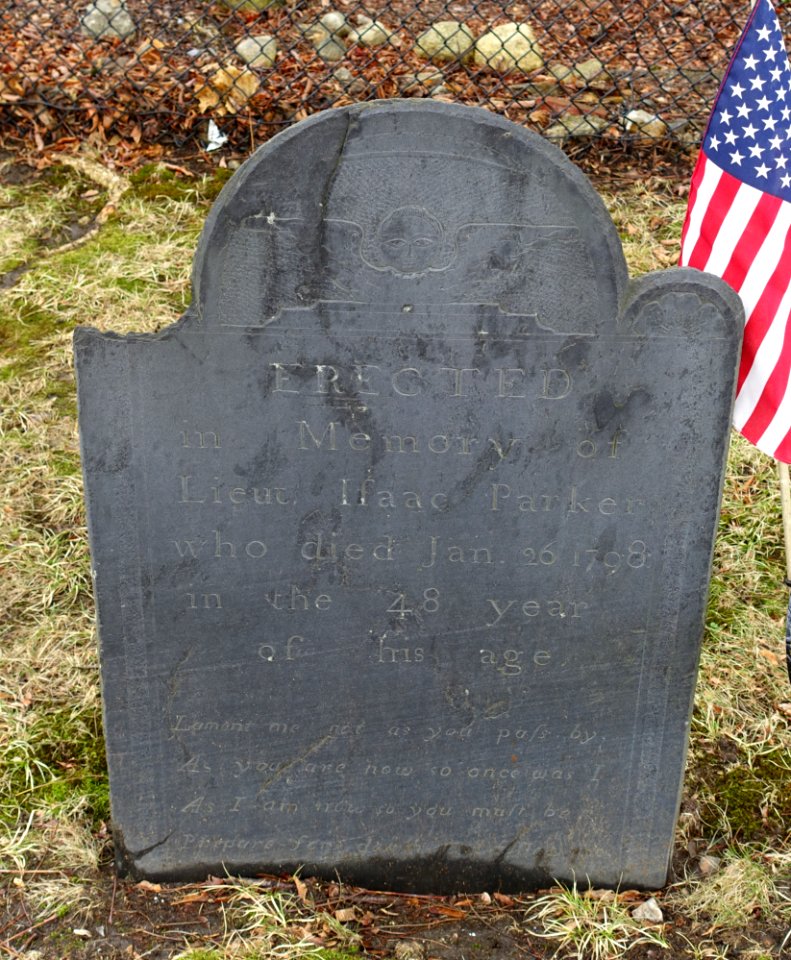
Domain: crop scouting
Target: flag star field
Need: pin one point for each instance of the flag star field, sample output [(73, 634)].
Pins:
[(749, 135)]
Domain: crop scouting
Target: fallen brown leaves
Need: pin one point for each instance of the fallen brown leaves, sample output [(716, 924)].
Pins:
[(58, 86)]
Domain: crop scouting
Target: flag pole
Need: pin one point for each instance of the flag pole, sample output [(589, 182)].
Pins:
[(785, 502)]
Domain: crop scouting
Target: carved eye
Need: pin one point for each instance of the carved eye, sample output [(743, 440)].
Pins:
[(396, 243), (423, 241)]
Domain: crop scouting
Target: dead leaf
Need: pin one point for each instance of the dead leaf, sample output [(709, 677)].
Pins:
[(150, 887), (444, 911), (503, 900), (227, 90), (302, 889), (345, 915)]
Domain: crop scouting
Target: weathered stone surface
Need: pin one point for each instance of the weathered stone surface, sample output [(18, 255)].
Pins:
[(401, 536), (445, 40), (258, 50), (107, 18), (507, 47)]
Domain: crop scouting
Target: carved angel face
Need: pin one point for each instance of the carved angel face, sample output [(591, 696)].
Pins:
[(410, 241)]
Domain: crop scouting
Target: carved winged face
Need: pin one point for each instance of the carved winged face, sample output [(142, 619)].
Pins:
[(410, 241)]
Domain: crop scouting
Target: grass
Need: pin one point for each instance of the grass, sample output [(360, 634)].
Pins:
[(132, 273), (591, 928)]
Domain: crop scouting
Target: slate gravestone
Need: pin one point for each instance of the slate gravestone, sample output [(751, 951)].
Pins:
[(402, 534)]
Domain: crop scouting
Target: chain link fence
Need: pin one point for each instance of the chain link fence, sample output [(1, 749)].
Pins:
[(147, 71)]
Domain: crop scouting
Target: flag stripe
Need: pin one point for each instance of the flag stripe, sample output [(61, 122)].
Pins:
[(765, 358), (767, 309), (751, 239), (769, 275), (717, 209), (744, 203), (774, 397), (700, 192)]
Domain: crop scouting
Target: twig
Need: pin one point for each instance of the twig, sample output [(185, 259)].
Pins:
[(27, 930), (112, 901)]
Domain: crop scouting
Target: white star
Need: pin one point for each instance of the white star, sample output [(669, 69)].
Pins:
[(764, 33), (750, 131), (776, 73), (737, 158), (780, 162), (785, 180), (726, 117), (775, 142), (756, 150), (714, 143), (751, 62), (781, 93), (743, 111), (763, 103), (785, 113), (770, 53), (757, 83), (762, 171), (737, 90), (730, 138), (770, 123)]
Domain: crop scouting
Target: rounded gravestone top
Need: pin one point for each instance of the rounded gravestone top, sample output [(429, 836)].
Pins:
[(410, 202)]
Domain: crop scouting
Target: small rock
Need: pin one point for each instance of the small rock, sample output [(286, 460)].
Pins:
[(646, 124), (708, 865), (258, 50), (334, 22), (590, 73), (509, 46), (351, 84), (107, 18), (573, 126), (418, 84), (409, 950), (370, 34), (649, 911), (327, 46), (445, 40), (251, 6)]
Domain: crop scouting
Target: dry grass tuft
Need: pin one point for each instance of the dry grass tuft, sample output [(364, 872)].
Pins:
[(591, 928), (749, 885)]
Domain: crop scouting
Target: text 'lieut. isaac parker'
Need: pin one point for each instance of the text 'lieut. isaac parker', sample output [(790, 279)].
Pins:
[(401, 536)]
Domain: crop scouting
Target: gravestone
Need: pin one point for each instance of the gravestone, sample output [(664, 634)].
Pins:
[(402, 534)]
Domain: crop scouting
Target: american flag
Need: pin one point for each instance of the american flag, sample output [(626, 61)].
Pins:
[(738, 222)]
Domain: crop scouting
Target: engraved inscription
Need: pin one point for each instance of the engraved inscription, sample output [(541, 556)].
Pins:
[(362, 380)]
